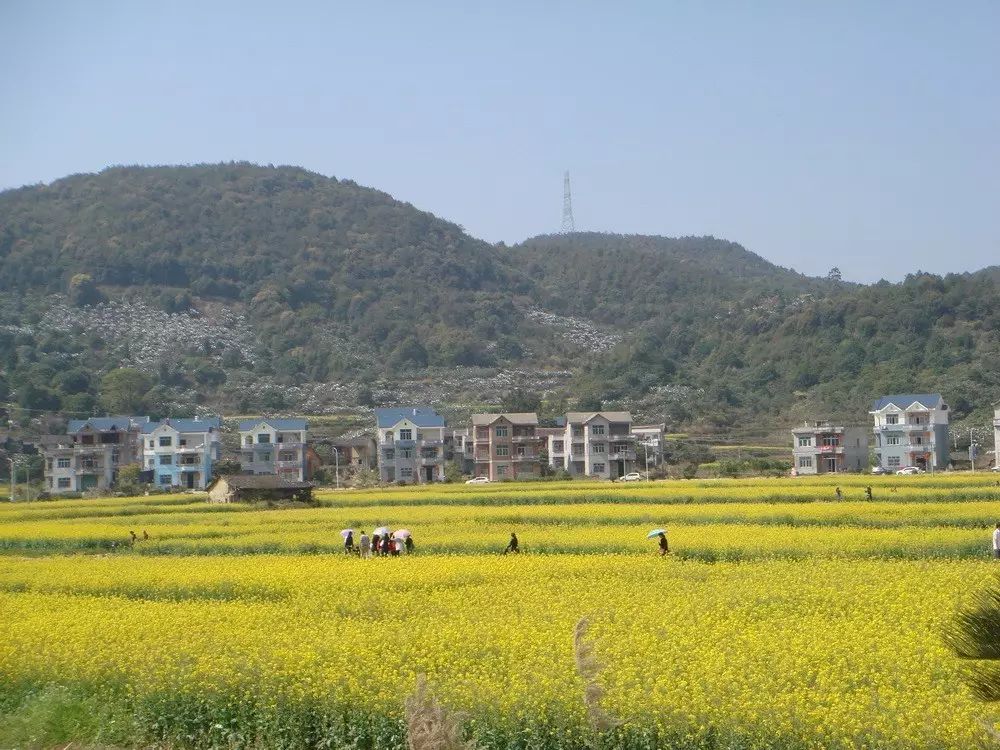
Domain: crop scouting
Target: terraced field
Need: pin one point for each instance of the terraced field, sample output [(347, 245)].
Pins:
[(782, 617)]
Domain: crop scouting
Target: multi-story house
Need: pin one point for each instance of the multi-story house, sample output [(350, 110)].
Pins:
[(554, 445), (824, 448), (463, 450), (911, 430), (506, 446), (358, 451), (91, 452), (649, 443), (410, 444), (180, 452), (275, 446), (599, 444)]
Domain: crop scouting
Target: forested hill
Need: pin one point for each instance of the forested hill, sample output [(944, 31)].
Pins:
[(237, 287)]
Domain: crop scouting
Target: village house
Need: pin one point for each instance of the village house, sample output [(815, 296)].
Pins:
[(180, 452), (996, 434), (244, 488), (649, 443), (91, 452), (410, 444), (911, 429), (275, 446), (598, 444), (825, 448), (506, 445)]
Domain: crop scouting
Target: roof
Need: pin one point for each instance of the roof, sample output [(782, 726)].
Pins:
[(185, 425), (278, 424), (421, 416), (905, 400), (263, 482), (586, 416), (120, 423), (521, 417), (550, 431), (648, 427)]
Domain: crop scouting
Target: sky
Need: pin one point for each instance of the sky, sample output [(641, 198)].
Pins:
[(862, 135)]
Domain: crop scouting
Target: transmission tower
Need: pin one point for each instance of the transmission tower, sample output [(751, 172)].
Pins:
[(567, 223)]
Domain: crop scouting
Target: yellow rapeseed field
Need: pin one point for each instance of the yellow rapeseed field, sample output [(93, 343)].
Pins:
[(777, 621)]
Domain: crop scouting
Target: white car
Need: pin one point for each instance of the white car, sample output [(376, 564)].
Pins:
[(478, 480), (633, 476), (878, 470), (910, 470), (996, 468)]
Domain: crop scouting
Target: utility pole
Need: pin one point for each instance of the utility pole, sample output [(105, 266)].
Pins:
[(336, 463), (972, 451), (568, 226), (13, 477)]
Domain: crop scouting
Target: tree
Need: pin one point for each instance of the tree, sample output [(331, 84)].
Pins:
[(123, 391), (834, 274), (83, 291), (519, 400), (226, 468)]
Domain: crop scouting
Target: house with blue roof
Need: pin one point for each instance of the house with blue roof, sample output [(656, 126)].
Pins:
[(275, 446), (180, 452), (411, 444), (911, 429), (91, 452)]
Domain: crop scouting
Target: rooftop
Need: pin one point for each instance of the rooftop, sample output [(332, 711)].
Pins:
[(580, 417), (421, 416), (906, 400), (185, 425), (522, 418), (263, 482), (278, 424), (119, 423)]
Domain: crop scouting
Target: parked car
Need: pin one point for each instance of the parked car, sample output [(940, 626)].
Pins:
[(878, 470), (633, 476), (996, 468), (910, 470), (478, 480)]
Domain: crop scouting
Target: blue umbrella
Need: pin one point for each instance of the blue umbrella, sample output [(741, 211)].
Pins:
[(655, 532)]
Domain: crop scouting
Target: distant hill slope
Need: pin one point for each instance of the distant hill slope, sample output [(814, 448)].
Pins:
[(238, 287)]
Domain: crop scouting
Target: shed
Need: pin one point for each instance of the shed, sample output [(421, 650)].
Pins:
[(246, 488)]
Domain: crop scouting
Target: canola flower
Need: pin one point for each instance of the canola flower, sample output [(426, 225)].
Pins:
[(816, 625)]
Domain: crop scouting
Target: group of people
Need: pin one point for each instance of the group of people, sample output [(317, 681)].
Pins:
[(380, 545), (868, 492)]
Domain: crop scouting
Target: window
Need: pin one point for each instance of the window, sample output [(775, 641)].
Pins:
[(600, 447), (501, 471), (87, 439), (406, 434), (265, 456), (62, 463), (599, 468), (892, 462), (805, 442), (152, 463), (64, 483), (166, 460), (182, 443), (389, 455), (892, 419), (805, 462), (115, 456), (263, 438), (597, 429), (918, 440), (501, 431), (406, 452), (164, 479), (918, 419), (248, 441), (48, 463), (287, 456), (503, 450), (166, 441), (892, 440), (520, 450), (557, 446), (406, 472), (578, 432), (388, 436), (831, 441), (420, 436), (150, 443)]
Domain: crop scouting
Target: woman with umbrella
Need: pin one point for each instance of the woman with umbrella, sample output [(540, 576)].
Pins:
[(348, 535), (661, 534), (404, 541)]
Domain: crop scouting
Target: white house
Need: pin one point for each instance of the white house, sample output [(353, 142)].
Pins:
[(274, 446), (410, 444), (911, 429), (180, 452), (598, 444)]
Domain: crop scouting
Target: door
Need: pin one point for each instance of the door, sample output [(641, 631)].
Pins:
[(190, 480), (429, 473)]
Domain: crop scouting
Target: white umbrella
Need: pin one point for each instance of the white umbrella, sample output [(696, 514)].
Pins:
[(403, 533), (655, 532), (345, 532), (381, 530)]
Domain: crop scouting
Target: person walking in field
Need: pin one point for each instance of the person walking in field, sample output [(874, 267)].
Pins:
[(664, 546), (512, 545), (349, 543), (365, 545), (134, 537), (840, 495), (145, 536), (409, 544), (996, 542), (376, 541), (868, 491)]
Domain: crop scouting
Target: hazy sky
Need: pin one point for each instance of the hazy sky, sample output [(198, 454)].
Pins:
[(862, 135)]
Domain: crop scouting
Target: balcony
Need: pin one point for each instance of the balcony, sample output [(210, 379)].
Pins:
[(190, 467), (922, 427), (830, 448), (290, 446), (405, 443), (430, 461), (432, 443), (288, 464), (90, 470), (525, 438), (622, 456)]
